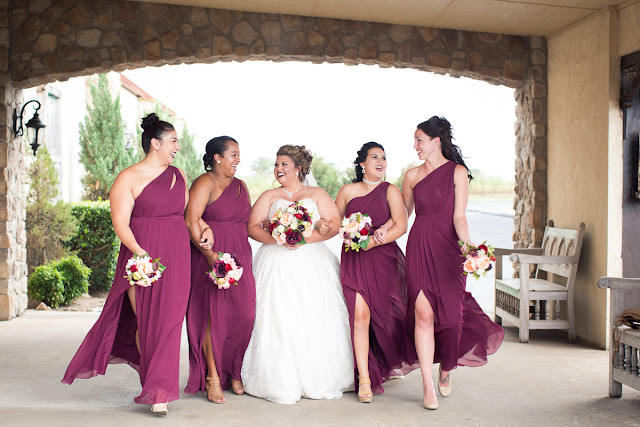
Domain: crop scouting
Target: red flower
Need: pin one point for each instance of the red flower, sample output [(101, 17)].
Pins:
[(232, 280), (286, 233), (227, 267), (484, 248), (493, 258), (133, 268), (299, 216), (364, 232)]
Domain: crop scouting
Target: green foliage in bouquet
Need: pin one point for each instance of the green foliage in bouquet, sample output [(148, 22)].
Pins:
[(96, 242), (49, 225), (59, 282)]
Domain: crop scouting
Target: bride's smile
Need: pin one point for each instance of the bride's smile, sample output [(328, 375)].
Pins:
[(286, 172)]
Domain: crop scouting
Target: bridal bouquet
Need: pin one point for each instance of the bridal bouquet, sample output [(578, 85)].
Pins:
[(355, 231), (477, 259), (291, 224), (226, 271), (143, 271)]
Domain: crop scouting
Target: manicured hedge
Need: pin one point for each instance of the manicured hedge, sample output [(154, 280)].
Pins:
[(59, 282), (96, 242)]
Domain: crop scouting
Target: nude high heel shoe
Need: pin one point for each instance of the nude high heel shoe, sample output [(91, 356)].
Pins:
[(367, 397), (443, 390), (160, 409)]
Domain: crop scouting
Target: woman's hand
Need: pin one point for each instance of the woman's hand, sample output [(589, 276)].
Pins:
[(291, 247), (212, 257), (323, 227), (206, 238), (140, 251), (379, 235)]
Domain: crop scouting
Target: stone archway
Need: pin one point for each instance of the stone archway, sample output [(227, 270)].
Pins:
[(43, 41)]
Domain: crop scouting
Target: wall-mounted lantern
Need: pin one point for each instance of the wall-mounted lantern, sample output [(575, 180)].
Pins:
[(33, 126)]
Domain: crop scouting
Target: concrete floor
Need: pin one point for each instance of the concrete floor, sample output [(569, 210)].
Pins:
[(546, 382)]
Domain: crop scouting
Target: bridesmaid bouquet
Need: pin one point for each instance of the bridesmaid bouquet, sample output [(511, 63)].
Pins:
[(291, 224), (477, 259), (355, 231), (143, 271), (226, 271)]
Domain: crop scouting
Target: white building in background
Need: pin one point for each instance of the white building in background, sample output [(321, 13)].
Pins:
[(64, 107)]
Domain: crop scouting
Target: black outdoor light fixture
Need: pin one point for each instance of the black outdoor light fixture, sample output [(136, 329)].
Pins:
[(33, 126)]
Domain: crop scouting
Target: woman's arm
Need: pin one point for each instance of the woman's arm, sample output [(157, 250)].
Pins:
[(329, 213), (122, 202), (259, 212), (407, 191), (461, 194), (198, 200), (398, 217)]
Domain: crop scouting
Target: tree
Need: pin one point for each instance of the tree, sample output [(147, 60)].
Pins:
[(102, 142), (328, 176), (49, 226), (399, 180), (262, 166)]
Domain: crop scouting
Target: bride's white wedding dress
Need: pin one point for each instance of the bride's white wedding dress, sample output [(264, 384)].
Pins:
[(301, 340)]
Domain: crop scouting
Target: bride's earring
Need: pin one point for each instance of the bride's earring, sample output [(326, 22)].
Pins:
[(296, 173)]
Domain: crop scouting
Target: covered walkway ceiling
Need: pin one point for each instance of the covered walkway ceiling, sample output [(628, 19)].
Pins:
[(520, 17)]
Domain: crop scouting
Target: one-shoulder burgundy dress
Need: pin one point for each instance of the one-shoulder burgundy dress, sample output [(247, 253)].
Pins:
[(378, 275), (464, 334), (232, 311), (158, 225)]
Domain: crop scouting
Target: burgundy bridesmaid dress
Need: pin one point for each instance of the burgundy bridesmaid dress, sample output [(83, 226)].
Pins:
[(378, 275), (464, 334), (232, 311), (158, 225)]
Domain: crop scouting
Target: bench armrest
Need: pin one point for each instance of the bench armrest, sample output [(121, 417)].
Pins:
[(504, 251), (618, 283), (543, 259)]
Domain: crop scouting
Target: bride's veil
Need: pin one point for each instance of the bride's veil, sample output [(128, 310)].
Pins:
[(310, 180)]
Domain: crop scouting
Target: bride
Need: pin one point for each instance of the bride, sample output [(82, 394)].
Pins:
[(300, 345)]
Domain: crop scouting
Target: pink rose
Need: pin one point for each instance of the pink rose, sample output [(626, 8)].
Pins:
[(482, 263), (307, 232), (351, 227), (469, 265), (286, 219)]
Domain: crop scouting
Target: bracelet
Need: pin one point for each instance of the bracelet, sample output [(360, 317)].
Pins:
[(205, 229)]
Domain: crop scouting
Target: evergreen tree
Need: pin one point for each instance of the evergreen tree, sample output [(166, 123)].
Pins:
[(49, 225), (102, 142), (328, 176)]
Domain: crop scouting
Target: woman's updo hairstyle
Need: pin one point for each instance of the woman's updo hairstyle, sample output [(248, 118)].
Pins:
[(362, 156), (217, 145), (153, 127), (300, 156), (440, 127)]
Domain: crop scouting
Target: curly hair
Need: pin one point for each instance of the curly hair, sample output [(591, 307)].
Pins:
[(362, 156), (300, 156)]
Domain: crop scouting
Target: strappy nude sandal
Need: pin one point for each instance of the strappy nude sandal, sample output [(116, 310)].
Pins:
[(237, 387), (214, 391), (367, 397)]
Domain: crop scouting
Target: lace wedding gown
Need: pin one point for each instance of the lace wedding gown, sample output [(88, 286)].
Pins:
[(301, 341)]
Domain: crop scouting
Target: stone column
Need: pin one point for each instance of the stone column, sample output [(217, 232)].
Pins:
[(13, 237), (531, 152)]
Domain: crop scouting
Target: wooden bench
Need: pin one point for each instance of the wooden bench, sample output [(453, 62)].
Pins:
[(624, 294), (559, 256)]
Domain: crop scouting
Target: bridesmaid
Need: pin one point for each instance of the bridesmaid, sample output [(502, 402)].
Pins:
[(450, 327), (219, 321), (141, 326), (373, 280)]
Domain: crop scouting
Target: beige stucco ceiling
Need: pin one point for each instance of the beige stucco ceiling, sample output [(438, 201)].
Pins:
[(522, 17)]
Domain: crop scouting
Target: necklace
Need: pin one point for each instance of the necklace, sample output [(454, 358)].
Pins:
[(372, 182), (291, 193)]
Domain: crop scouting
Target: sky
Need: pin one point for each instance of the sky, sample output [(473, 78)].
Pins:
[(333, 109)]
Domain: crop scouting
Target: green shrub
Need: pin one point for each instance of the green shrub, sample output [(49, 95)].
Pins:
[(96, 242), (46, 284), (59, 282), (75, 276)]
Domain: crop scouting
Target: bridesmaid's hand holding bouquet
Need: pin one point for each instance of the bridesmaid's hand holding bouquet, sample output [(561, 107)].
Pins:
[(226, 271), (143, 271), (477, 259), (355, 231), (291, 224)]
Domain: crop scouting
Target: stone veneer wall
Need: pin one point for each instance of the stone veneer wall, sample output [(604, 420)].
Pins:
[(56, 40), (13, 253)]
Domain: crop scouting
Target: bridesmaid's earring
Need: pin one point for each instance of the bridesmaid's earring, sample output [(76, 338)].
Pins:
[(296, 173), (157, 148), (218, 161)]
